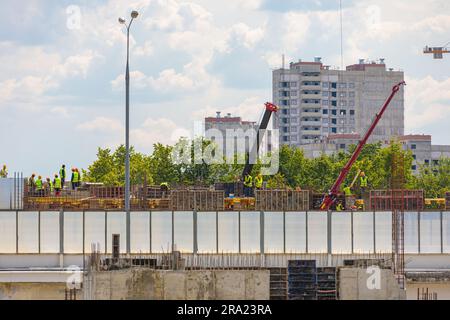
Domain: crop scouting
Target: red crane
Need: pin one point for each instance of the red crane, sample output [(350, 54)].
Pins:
[(329, 199)]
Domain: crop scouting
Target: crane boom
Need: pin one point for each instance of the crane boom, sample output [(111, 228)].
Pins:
[(270, 108), (332, 194)]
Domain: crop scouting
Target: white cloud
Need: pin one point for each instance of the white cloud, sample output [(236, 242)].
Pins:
[(60, 111), (137, 78), (296, 28), (427, 101), (242, 33), (145, 50), (101, 124), (160, 130)]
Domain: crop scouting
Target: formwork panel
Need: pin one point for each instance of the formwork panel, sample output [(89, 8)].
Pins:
[(140, 232), (228, 232), (28, 237), (430, 232), (383, 232), (206, 232), (273, 232), (199, 200), (73, 232), (117, 225), (410, 200), (295, 232), (341, 232), (250, 232), (184, 231), (8, 232), (317, 232), (411, 232), (49, 232), (94, 231), (161, 231), (363, 232)]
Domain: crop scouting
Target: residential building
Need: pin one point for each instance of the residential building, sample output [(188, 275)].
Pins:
[(317, 102), (424, 153)]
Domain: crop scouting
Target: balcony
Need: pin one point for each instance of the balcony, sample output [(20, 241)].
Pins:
[(311, 86), (311, 96), (317, 78), (310, 114), (310, 123), (311, 132)]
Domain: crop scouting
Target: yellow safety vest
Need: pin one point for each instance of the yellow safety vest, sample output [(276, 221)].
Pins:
[(248, 181), (258, 182), (57, 183), (339, 207), (363, 181), (76, 177), (38, 184), (347, 191)]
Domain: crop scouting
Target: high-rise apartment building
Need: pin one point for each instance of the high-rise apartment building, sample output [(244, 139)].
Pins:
[(317, 101)]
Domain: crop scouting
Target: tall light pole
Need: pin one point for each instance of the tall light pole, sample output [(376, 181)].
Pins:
[(134, 15)]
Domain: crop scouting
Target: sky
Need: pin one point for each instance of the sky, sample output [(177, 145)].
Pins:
[(62, 67)]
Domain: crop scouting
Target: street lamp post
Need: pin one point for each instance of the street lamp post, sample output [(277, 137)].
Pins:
[(134, 15)]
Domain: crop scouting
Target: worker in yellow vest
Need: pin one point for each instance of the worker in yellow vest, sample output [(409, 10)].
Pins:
[(340, 206), (39, 186), (349, 198), (363, 182), (259, 181), (57, 182), (4, 172), (248, 184), (49, 186)]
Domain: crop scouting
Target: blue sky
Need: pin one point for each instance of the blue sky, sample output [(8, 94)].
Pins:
[(61, 79)]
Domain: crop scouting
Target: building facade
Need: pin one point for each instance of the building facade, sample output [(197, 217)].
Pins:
[(423, 152), (317, 102)]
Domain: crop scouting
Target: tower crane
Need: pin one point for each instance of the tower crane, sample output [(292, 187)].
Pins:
[(438, 52)]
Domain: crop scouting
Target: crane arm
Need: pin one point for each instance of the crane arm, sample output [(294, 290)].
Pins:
[(270, 108), (331, 196)]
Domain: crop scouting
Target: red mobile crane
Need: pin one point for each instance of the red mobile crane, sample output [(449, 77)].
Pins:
[(270, 108), (330, 198)]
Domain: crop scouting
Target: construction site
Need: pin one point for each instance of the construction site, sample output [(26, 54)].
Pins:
[(247, 239)]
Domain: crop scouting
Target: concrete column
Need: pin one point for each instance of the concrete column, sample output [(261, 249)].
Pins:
[(261, 232), (150, 230), (194, 216)]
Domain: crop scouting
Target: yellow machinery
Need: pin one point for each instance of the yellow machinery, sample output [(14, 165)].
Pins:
[(435, 203), (437, 52)]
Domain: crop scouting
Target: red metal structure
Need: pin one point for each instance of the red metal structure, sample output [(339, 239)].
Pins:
[(329, 199), (270, 108)]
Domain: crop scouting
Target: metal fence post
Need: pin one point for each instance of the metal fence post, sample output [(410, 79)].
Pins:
[(217, 232)]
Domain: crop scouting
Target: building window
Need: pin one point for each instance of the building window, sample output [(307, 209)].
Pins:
[(325, 102), (414, 157), (334, 94), (342, 112), (324, 93), (342, 146), (294, 102), (413, 147), (325, 120), (325, 111), (413, 167), (334, 103), (333, 130), (333, 121), (351, 94), (334, 112), (325, 84), (352, 112), (351, 103), (285, 129), (343, 103), (284, 84), (293, 84), (351, 85), (436, 162), (343, 85), (342, 94), (427, 161), (294, 120), (293, 93), (294, 129), (334, 85)]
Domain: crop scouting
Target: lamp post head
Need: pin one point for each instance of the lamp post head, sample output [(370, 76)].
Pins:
[(134, 14), (122, 20)]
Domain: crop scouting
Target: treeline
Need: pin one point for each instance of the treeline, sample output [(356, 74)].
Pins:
[(295, 170)]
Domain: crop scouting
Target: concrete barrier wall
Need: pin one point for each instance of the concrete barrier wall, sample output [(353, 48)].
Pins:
[(217, 232), (146, 284)]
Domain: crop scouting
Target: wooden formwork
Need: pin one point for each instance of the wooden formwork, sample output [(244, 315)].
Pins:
[(382, 200), (201, 200), (282, 200)]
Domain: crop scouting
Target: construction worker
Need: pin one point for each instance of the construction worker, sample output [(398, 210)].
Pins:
[(74, 179), (164, 187), (349, 198), (62, 174), (49, 186), (363, 180), (31, 184), (340, 206), (39, 186), (57, 182), (4, 172), (259, 181), (78, 177), (248, 184)]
